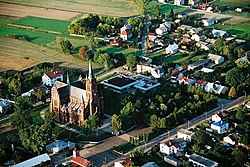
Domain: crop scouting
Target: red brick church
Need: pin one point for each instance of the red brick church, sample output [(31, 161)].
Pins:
[(75, 102)]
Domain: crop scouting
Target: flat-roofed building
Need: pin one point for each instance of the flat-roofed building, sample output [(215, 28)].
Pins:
[(201, 161), (185, 134)]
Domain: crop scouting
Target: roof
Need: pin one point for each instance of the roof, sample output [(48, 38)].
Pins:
[(4, 103), (54, 74), (126, 32), (150, 164), (34, 161), (243, 59), (233, 137), (173, 46), (219, 32), (203, 160), (214, 57), (184, 131), (125, 161), (171, 143), (80, 161), (220, 123), (120, 81)]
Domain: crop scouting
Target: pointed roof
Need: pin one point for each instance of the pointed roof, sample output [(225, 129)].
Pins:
[(91, 76)]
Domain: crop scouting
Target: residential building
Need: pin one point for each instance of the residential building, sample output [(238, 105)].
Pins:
[(150, 164), (162, 1), (116, 42), (125, 35), (198, 38), (200, 84), (163, 28), (126, 27), (155, 71), (181, 16), (151, 37), (201, 161), (207, 70), (185, 28), (231, 139), (179, 2), (76, 102), (51, 77), (197, 64), (185, 134), (172, 147), (123, 162), (172, 161), (44, 158), (210, 21), (215, 88), (244, 59), (219, 116), (186, 38), (215, 58), (4, 105), (193, 2), (186, 81), (79, 161), (59, 145), (172, 49), (220, 127), (218, 33)]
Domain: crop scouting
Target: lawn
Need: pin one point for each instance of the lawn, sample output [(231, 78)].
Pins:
[(237, 3), (4, 21), (165, 8), (123, 8), (43, 23), (32, 36), (111, 49), (125, 148), (176, 58), (35, 114)]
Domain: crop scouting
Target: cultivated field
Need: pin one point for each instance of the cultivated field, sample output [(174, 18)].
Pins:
[(238, 3), (16, 55), (23, 11), (121, 8)]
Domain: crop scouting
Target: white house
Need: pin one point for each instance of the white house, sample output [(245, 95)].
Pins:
[(220, 127), (169, 147), (215, 88), (163, 28), (126, 34), (125, 27), (215, 58), (4, 104), (210, 21), (123, 162), (51, 77), (198, 38), (186, 81), (162, 1), (34, 161), (216, 118), (171, 49), (59, 145), (179, 2), (185, 134), (155, 71), (218, 33), (231, 139), (193, 2), (201, 161), (242, 59)]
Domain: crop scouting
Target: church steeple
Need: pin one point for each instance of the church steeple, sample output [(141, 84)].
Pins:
[(91, 75)]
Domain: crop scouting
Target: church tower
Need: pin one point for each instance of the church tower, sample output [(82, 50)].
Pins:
[(92, 98)]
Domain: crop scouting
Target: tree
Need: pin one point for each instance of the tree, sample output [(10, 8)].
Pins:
[(171, 14), (15, 86), (83, 54), (199, 137), (239, 156), (34, 137), (40, 95), (131, 61), (90, 124), (235, 77), (128, 109), (156, 10), (49, 117), (20, 120), (22, 103), (64, 45), (232, 92), (116, 123), (92, 43), (240, 115)]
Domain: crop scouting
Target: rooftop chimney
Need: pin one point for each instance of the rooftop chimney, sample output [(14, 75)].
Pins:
[(75, 153)]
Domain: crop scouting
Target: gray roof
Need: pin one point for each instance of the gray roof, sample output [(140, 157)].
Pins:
[(34, 161), (203, 160)]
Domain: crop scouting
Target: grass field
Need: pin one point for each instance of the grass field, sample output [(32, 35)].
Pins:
[(43, 23), (176, 58), (17, 55), (236, 3), (122, 8), (165, 8), (233, 29)]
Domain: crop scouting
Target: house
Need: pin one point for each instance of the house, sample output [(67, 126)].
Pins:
[(185, 134), (198, 38), (219, 116), (200, 83), (218, 33), (172, 49), (238, 10), (245, 59), (78, 161), (193, 2), (203, 6), (150, 164), (123, 162), (155, 71), (201, 161), (186, 81), (197, 31), (185, 28), (44, 158), (162, 1), (51, 77), (116, 42), (207, 70), (169, 147), (220, 127), (29, 93), (185, 38), (172, 161), (126, 34), (164, 28), (4, 105), (215, 88), (210, 21), (59, 145), (151, 37), (126, 27), (181, 16), (197, 64), (210, 9), (215, 58), (231, 139), (179, 2)]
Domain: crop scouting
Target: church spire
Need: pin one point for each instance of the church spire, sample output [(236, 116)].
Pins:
[(91, 76)]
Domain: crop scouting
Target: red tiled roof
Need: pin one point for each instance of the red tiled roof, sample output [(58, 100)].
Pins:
[(54, 73), (79, 161), (151, 34), (126, 32), (201, 82), (125, 162), (186, 79)]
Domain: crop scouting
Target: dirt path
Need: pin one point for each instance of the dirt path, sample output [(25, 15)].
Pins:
[(22, 11)]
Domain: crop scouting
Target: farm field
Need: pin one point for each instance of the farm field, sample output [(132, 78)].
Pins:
[(165, 8), (43, 23), (122, 8), (236, 3), (14, 56), (7, 9)]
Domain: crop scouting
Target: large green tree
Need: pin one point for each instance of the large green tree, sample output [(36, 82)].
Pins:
[(20, 120), (235, 77), (64, 45), (131, 61), (90, 124), (116, 123), (22, 103)]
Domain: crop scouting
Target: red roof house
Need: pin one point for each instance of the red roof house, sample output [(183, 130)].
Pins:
[(51, 77), (126, 34)]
